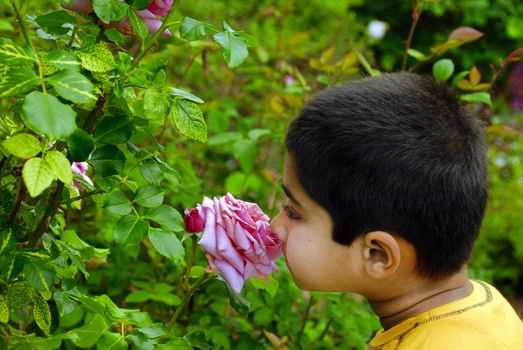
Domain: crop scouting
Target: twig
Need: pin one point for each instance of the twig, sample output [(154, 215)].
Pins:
[(22, 190), (52, 207), (305, 318), (416, 13), (82, 196)]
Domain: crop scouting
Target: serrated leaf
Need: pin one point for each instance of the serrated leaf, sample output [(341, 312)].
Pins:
[(140, 28), (151, 171), (4, 308), (188, 118), (80, 144), (114, 130), (443, 69), (111, 341), (130, 229), (40, 275), (110, 10), (37, 175), (270, 285), (42, 314), (62, 60), (149, 196), (192, 29), (155, 104), (89, 334), (118, 203), (96, 58), (167, 244), (187, 95), (13, 54), (73, 86), (45, 114), (234, 49), (108, 160), (60, 165), (22, 145), (16, 81), (166, 216)]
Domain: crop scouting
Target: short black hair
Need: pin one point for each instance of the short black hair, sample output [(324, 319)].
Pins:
[(397, 153)]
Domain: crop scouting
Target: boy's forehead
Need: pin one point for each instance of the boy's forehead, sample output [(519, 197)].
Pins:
[(291, 185)]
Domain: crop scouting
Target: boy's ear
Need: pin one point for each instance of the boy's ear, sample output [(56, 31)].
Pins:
[(381, 253)]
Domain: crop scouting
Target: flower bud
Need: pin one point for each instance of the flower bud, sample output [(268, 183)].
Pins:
[(194, 222)]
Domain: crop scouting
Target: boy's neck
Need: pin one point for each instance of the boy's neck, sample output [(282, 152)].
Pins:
[(421, 295)]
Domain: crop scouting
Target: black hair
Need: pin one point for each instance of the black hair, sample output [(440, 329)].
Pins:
[(397, 153)]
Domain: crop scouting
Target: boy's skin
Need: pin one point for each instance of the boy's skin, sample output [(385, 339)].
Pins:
[(378, 265)]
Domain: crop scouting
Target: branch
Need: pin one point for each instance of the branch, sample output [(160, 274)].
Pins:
[(82, 196), (22, 190), (52, 207), (416, 14)]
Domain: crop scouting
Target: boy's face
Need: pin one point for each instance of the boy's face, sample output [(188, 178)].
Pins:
[(315, 260)]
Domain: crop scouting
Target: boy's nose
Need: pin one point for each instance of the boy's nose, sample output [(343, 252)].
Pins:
[(278, 228)]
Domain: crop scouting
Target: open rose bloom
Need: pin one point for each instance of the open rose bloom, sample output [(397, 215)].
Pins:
[(237, 238)]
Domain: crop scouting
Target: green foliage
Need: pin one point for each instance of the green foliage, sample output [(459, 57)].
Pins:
[(78, 250)]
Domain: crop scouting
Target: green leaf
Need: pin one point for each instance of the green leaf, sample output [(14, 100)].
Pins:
[(480, 97), (110, 10), (114, 130), (149, 196), (188, 118), (111, 341), (39, 275), (45, 114), (138, 296), (42, 314), (88, 335), (23, 145), (167, 244), (130, 229), (13, 54), (197, 271), (16, 80), (140, 28), (37, 175), (270, 285), (256, 134), (4, 308), (234, 49), (62, 60), (166, 216), (108, 160), (117, 203), (73, 86), (80, 144), (186, 95), (20, 294), (443, 69), (96, 58), (140, 4), (192, 29), (151, 171), (60, 166), (418, 55), (155, 104), (55, 19)]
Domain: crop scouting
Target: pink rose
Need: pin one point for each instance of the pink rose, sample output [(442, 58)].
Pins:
[(80, 6), (238, 240), (193, 221), (160, 7)]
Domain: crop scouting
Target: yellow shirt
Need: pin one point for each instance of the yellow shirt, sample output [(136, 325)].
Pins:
[(484, 320)]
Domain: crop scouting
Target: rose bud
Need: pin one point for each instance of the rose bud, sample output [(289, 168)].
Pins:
[(193, 220)]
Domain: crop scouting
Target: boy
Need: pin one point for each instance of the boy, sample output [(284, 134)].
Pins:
[(386, 184)]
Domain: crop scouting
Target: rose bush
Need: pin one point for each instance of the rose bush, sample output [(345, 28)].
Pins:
[(237, 238)]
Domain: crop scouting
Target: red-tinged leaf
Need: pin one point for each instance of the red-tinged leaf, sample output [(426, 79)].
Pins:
[(465, 34), (475, 76), (514, 56)]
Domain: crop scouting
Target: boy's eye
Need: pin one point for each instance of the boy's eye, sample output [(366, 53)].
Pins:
[(291, 214)]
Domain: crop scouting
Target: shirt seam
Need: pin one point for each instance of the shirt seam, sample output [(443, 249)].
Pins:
[(400, 337)]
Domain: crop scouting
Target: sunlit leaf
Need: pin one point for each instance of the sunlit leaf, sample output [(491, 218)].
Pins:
[(443, 69), (188, 119), (23, 145), (167, 244), (110, 10), (38, 176)]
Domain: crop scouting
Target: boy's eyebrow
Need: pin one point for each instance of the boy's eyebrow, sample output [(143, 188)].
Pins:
[(290, 195)]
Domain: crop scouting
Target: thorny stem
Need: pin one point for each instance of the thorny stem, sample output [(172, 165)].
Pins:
[(82, 196), (186, 298), (416, 14), (190, 262), (305, 318), (151, 40)]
